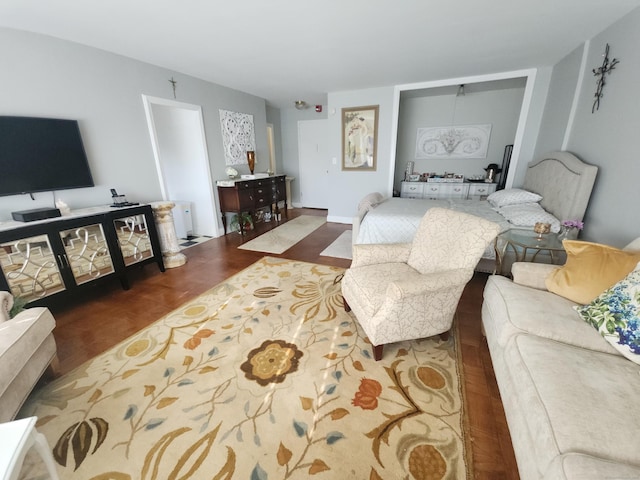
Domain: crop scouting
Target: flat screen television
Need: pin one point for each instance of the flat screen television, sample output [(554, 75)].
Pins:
[(41, 154)]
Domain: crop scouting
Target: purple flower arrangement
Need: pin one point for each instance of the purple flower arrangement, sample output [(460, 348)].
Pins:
[(573, 224)]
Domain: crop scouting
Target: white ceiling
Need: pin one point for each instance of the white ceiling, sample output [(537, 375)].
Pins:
[(284, 50)]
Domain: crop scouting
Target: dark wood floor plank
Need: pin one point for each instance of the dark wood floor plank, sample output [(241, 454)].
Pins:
[(105, 316)]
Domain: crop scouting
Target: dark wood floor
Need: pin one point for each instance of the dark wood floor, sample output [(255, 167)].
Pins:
[(107, 315)]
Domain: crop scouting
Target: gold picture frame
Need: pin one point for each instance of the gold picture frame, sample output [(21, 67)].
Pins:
[(360, 138)]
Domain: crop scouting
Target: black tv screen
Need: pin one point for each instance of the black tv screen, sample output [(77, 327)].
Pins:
[(41, 154)]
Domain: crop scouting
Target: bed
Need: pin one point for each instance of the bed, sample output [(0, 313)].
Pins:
[(562, 182)]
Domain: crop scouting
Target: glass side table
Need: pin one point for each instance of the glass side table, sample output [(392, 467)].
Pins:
[(526, 245)]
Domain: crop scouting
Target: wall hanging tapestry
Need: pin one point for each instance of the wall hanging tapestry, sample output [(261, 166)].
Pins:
[(463, 141), (238, 136)]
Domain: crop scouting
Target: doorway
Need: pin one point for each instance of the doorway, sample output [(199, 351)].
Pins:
[(313, 158), (180, 150)]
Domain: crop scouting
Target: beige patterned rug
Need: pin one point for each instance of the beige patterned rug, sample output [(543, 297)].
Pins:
[(262, 377), (286, 235)]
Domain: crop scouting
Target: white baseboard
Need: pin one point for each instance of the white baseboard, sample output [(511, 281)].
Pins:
[(347, 220)]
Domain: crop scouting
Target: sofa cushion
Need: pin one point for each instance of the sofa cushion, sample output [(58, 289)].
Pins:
[(19, 338), (586, 467), (573, 402), (616, 315), (590, 269), (513, 309)]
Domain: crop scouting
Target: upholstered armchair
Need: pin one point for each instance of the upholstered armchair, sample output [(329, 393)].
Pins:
[(408, 291), (27, 350)]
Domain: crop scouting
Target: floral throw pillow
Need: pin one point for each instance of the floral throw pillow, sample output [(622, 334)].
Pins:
[(614, 313)]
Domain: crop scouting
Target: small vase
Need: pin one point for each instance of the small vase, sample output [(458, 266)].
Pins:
[(251, 160), (566, 233)]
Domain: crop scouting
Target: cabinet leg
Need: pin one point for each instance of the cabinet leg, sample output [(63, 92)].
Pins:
[(124, 281), (224, 222)]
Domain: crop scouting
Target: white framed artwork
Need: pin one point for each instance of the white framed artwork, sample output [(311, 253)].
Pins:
[(458, 141), (238, 136)]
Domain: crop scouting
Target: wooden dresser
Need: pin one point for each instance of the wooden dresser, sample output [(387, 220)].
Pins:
[(250, 195)]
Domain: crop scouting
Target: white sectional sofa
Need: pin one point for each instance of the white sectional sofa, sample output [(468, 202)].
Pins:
[(27, 349), (570, 398)]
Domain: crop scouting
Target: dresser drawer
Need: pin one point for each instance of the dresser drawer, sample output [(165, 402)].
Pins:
[(412, 190)]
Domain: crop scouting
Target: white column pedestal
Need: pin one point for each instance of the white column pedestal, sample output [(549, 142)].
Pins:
[(288, 181), (171, 255)]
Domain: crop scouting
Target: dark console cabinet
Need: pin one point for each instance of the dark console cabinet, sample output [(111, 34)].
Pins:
[(43, 259), (237, 196)]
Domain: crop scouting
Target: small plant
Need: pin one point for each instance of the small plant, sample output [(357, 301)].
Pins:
[(245, 218), (18, 305)]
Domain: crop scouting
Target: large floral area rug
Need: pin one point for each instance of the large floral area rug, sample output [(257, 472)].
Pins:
[(265, 376)]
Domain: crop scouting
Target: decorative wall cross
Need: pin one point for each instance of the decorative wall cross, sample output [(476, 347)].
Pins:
[(173, 85), (600, 72)]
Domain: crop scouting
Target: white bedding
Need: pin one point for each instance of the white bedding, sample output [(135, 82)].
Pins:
[(395, 220)]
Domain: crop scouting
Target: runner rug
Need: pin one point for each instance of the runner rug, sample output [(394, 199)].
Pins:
[(263, 377), (286, 235), (340, 248)]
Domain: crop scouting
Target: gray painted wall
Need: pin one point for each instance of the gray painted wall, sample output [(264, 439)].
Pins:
[(564, 81), (349, 187), (500, 108), (607, 138), (47, 77)]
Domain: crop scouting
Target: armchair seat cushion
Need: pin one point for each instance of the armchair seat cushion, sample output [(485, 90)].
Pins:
[(370, 283), (526, 310)]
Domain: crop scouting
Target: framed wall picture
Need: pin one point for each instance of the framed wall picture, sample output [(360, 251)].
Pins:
[(359, 138)]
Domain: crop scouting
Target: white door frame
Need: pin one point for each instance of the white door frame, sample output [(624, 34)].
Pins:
[(529, 74), (149, 102)]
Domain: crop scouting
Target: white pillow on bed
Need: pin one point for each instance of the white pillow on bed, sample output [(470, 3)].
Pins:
[(512, 196), (528, 214), (368, 202)]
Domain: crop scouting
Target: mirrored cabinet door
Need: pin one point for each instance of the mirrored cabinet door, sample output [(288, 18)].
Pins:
[(30, 268), (87, 253), (133, 238)]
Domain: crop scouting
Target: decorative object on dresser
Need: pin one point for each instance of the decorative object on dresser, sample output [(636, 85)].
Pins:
[(250, 195), (68, 253), (251, 160), (359, 138)]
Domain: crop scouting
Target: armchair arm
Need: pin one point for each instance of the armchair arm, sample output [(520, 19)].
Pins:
[(532, 274), (376, 253), (429, 283)]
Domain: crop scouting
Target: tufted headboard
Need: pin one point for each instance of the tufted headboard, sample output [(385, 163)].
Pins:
[(565, 183)]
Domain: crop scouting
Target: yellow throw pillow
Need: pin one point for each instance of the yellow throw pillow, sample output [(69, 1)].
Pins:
[(591, 268)]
